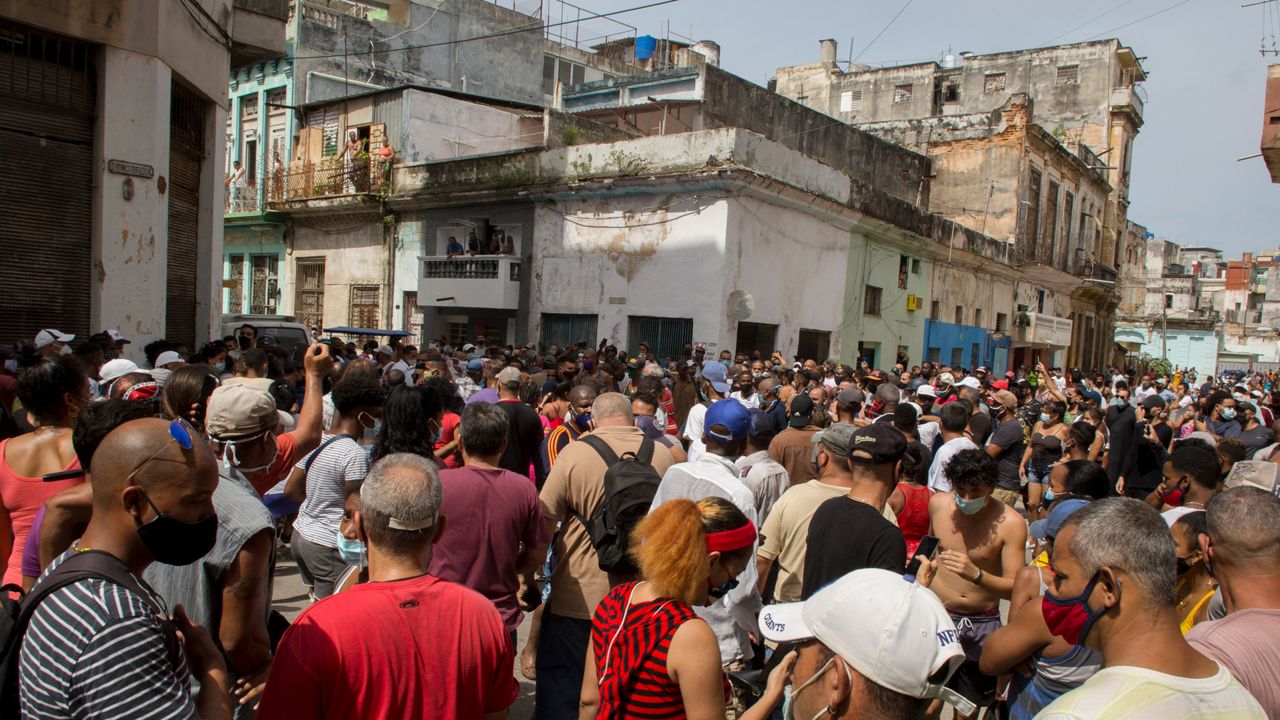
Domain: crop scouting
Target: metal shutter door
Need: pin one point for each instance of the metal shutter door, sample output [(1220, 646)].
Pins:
[(47, 101), (186, 153)]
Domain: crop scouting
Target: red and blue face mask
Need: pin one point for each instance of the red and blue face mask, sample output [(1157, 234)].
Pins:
[(1071, 618)]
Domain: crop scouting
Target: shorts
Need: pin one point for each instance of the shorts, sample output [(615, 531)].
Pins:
[(973, 631), (1008, 497), (1038, 474)]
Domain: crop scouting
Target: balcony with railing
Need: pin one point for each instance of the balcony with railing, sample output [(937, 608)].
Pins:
[(470, 281), (332, 178), (1131, 97), (1093, 270), (1041, 330)]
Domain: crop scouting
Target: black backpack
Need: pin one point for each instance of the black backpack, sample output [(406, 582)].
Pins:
[(630, 482), (15, 615)]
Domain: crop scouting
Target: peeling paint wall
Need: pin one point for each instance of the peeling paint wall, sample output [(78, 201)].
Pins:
[(354, 254)]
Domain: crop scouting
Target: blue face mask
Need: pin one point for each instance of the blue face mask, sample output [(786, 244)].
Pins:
[(649, 425), (1044, 418), (220, 367), (971, 507), (583, 421), (718, 591), (1227, 413), (351, 551), (1048, 495)]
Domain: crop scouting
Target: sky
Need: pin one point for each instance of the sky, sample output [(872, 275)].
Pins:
[(1205, 84)]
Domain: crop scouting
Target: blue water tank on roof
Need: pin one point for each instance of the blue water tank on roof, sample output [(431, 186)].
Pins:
[(645, 46)]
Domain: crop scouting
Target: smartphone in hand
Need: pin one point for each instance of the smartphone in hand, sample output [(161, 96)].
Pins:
[(928, 548)]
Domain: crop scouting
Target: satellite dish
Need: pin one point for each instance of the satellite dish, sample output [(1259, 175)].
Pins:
[(740, 305)]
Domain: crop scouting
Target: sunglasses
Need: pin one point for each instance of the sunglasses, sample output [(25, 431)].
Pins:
[(181, 432)]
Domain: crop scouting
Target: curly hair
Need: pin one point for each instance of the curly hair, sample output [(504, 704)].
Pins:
[(971, 469), (405, 424), (670, 545), (356, 390)]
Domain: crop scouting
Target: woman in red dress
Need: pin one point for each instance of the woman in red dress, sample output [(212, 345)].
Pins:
[(650, 655)]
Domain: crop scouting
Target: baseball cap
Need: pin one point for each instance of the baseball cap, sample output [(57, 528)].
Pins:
[(1000, 385), (1006, 398), (1152, 402), (468, 347), (166, 357), (837, 437), (970, 382), (49, 336), (895, 633), (731, 415), (718, 375), (849, 396), (1092, 395), (1207, 437), (877, 444), (509, 377), (801, 409), (385, 350), (1049, 527), (113, 369), (116, 337), (239, 411), (700, 348), (982, 370), (926, 391), (1254, 473), (475, 365), (946, 379)]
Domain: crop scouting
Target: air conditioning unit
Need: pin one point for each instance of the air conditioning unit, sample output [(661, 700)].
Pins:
[(914, 302)]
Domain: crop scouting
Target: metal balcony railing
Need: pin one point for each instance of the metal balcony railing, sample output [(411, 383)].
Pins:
[(1095, 271), (333, 177)]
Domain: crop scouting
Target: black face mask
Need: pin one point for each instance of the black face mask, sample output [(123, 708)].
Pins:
[(1183, 567), (174, 542), (245, 341), (716, 592)]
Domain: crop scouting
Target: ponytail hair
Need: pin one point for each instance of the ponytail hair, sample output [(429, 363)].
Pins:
[(670, 545)]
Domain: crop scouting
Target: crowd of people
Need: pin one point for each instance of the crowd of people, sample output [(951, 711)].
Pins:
[(705, 537)]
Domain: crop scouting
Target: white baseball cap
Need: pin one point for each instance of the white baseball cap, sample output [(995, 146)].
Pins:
[(116, 337), (117, 368), (926, 391), (166, 357), (970, 381), (893, 632), (49, 336)]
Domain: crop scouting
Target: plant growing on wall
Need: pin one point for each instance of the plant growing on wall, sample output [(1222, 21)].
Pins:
[(627, 163), (1022, 320), (581, 167), (570, 134), (1161, 367)]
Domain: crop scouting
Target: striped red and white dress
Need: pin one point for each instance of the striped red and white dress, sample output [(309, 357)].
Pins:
[(632, 667)]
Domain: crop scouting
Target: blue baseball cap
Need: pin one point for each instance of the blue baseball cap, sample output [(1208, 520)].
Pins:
[(729, 414), (1050, 526), (717, 374), (475, 365)]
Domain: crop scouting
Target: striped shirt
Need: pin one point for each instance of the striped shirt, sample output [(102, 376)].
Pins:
[(332, 467), (95, 649), (631, 662)]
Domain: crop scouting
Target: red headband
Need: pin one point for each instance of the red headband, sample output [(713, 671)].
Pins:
[(729, 540)]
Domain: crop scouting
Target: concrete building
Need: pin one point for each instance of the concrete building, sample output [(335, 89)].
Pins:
[(110, 116), (1271, 123), (1161, 314)]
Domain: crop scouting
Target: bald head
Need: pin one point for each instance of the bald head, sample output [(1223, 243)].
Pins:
[(612, 409), (1244, 528), (126, 449), (582, 396)]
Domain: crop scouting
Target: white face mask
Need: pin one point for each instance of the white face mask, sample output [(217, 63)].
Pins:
[(788, 710)]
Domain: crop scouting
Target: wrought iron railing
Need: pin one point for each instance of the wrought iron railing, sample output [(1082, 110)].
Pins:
[(333, 177)]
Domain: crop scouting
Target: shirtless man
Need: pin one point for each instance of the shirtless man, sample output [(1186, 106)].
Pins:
[(983, 545)]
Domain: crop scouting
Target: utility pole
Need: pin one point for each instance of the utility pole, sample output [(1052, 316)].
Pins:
[(1164, 331)]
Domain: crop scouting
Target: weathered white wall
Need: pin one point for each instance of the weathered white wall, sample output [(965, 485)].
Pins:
[(441, 127), (130, 237), (353, 256), (875, 262)]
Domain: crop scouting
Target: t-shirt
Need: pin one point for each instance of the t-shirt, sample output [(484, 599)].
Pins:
[(765, 478), (793, 449), (784, 535), (336, 464), (449, 428), (490, 512), (576, 486), (286, 458), (1134, 693), (95, 649), (556, 440), (1009, 435), (524, 441), (693, 431), (847, 535), (1247, 642), (1256, 439), (980, 427), (416, 648), (938, 481)]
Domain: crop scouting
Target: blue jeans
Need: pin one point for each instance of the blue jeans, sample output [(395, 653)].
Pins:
[(1038, 474)]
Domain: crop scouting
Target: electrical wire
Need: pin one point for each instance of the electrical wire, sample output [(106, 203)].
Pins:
[(1088, 22), (1161, 11), (882, 31), (489, 36), (224, 41)]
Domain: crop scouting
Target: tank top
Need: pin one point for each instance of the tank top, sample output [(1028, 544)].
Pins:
[(23, 497), (1189, 621), (914, 518), (1053, 678), (1045, 449), (631, 640)]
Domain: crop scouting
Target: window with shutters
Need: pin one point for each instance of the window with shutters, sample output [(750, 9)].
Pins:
[(1002, 322), (248, 107), (902, 94), (412, 315), (1050, 223), (1068, 215), (1031, 226), (235, 274), (457, 333), (327, 120), (308, 302), (363, 308), (1068, 75), (993, 83), (851, 101), (666, 336), (564, 329), (871, 300), (956, 355), (276, 100), (959, 314), (977, 317)]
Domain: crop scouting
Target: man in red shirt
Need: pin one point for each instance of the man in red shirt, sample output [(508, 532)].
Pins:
[(406, 644)]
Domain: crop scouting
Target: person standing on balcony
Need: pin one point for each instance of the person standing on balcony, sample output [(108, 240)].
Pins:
[(236, 183), (454, 247)]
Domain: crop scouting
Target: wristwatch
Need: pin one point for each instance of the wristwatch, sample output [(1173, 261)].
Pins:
[(978, 580)]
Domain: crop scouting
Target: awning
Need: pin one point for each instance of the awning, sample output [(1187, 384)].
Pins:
[(366, 331)]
